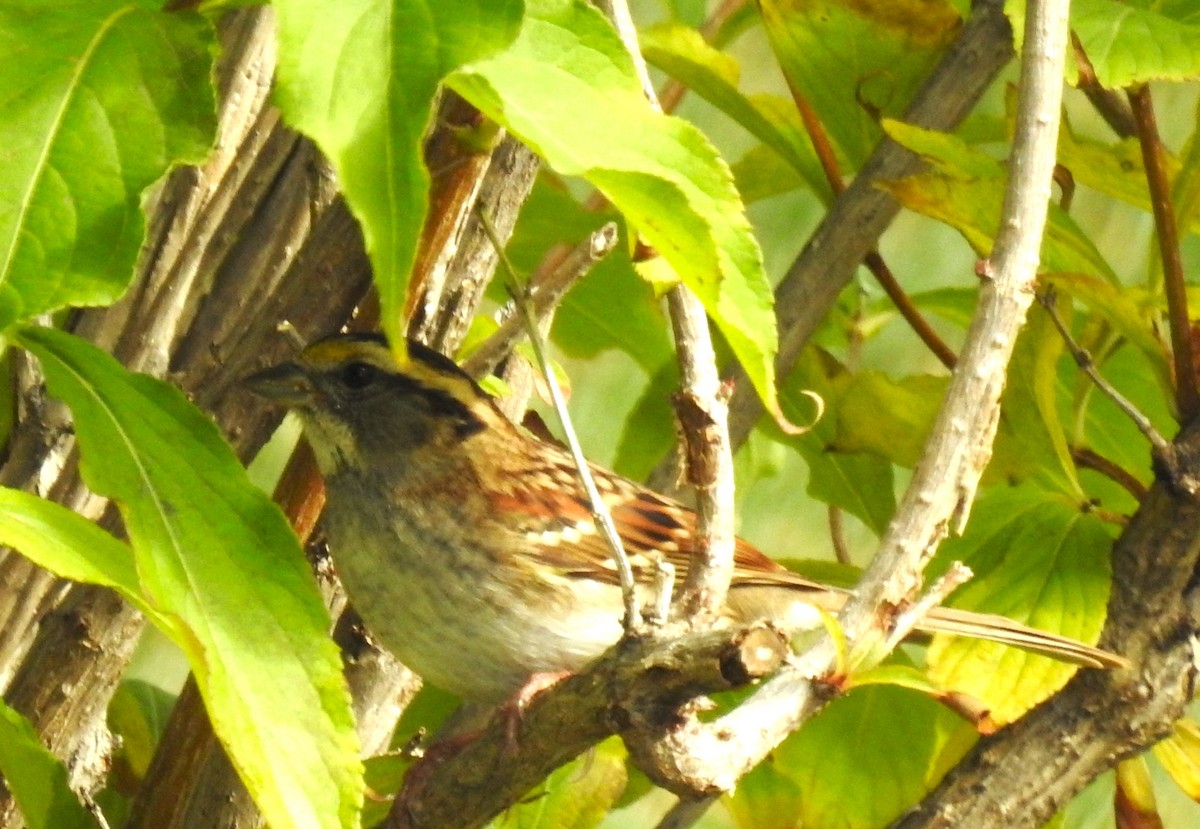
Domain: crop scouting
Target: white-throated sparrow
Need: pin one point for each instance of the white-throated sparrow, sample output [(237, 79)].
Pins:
[(468, 546)]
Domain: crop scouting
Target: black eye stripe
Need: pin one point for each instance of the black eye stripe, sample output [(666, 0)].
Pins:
[(440, 402)]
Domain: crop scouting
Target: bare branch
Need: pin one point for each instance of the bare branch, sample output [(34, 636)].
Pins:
[(703, 414), (1084, 360), (546, 290), (1187, 398), (943, 486), (944, 482), (1052, 752), (637, 686)]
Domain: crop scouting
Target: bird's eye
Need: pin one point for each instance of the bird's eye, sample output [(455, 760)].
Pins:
[(359, 375)]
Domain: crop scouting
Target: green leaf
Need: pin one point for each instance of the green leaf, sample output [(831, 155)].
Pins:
[(683, 54), (766, 798), (575, 796), (1114, 169), (649, 431), (1030, 440), (899, 675), (1134, 42), (359, 77), (65, 542), (384, 776), (1108, 430), (860, 483), (659, 171), (36, 778), (886, 417), (966, 190), (100, 98), (955, 305), (610, 308), (869, 756), (1041, 561), (215, 554), (822, 47), (761, 174), (1130, 311)]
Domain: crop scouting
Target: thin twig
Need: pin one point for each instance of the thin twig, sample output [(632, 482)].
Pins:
[(703, 411), (685, 813), (1091, 459), (1187, 398), (907, 620), (1048, 300), (600, 513), (908, 311), (837, 535), (546, 290), (1107, 102)]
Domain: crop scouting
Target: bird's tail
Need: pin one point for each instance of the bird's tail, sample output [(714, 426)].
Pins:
[(1001, 629)]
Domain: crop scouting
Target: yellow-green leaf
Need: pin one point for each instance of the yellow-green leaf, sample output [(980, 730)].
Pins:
[(218, 559), (659, 171)]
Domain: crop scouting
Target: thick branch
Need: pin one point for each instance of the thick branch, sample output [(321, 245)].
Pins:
[(945, 480), (638, 686), (943, 486), (1046, 757)]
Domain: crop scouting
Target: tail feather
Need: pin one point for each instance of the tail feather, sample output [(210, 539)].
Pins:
[(1004, 630)]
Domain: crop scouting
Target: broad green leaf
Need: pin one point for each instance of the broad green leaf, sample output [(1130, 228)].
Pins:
[(1180, 756), (575, 796), (766, 798), (683, 54), (1186, 186), (900, 675), (1037, 559), (1131, 312), (359, 77), (1031, 443), (966, 190), (213, 552), (870, 755), (1110, 431), (1114, 169), (99, 99), (649, 431), (822, 46), (860, 483), (955, 305), (761, 174), (384, 774), (659, 171), (65, 542), (37, 779), (886, 417), (1136, 41), (863, 485)]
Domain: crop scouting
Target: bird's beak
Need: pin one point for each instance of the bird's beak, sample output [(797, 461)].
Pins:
[(286, 383)]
